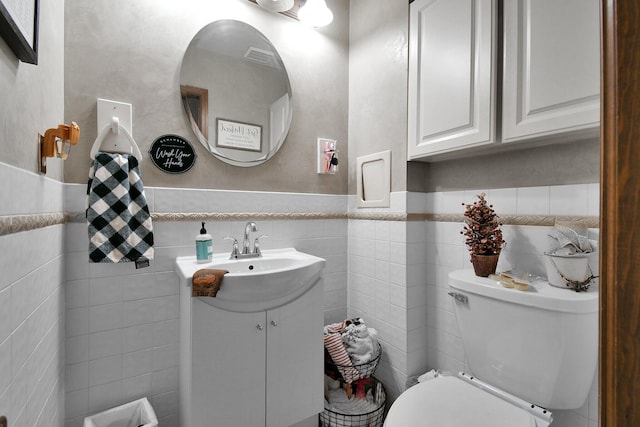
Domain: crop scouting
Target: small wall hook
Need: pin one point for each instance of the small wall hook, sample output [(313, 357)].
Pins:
[(57, 142)]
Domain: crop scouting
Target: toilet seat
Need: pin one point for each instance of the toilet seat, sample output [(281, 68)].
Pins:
[(450, 401)]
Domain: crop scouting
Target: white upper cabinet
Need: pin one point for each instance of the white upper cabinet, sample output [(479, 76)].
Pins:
[(551, 83), (452, 75)]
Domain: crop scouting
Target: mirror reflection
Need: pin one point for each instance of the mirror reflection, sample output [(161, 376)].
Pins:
[(236, 93)]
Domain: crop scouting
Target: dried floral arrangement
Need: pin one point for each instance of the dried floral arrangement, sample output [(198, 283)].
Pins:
[(482, 229)]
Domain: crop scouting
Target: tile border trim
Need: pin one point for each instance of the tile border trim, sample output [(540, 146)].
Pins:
[(11, 224)]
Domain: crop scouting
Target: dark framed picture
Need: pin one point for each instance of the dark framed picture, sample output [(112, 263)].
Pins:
[(19, 28), (238, 135)]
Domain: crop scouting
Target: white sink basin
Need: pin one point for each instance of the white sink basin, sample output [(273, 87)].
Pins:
[(257, 284)]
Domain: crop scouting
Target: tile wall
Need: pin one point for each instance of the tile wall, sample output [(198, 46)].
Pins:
[(410, 306), (122, 324), (121, 328), (32, 304)]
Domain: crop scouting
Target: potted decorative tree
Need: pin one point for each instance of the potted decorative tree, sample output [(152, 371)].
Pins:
[(483, 236)]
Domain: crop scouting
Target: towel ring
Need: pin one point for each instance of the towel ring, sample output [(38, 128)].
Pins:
[(116, 128)]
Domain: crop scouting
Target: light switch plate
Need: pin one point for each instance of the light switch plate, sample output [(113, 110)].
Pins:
[(108, 109)]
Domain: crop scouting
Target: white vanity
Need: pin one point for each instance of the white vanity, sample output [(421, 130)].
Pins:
[(253, 355)]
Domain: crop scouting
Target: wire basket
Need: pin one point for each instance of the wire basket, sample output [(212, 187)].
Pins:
[(350, 373), (374, 418)]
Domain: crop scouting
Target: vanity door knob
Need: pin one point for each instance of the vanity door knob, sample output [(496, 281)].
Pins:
[(274, 323), (259, 326)]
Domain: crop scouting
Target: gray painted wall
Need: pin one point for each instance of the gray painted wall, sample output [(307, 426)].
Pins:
[(575, 162), (132, 53), (378, 60), (32, 95)]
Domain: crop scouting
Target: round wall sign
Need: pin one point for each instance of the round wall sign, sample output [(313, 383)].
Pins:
[(172, 154)]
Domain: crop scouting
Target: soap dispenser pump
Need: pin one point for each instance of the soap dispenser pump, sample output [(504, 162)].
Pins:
[(204, 246)]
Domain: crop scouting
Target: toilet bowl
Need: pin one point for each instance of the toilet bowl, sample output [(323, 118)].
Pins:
[(530, 353), (455, 401)]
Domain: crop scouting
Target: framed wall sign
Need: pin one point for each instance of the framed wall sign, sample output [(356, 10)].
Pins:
[(19, 27), (238, 135), (172, 154)]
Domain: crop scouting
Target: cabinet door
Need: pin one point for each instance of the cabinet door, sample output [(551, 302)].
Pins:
[(452, 75), (295, 365), (228, 367), (551, 68)]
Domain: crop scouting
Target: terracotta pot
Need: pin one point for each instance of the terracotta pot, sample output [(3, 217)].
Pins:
[(484, 265)]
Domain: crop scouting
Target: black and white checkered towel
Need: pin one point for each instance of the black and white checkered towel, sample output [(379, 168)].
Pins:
[(120, 228)]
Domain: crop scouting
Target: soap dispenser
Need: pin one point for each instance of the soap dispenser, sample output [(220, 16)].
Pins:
[(204, 246)]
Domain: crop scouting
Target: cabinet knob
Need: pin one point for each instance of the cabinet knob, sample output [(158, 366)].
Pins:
[(259, 326), (274, 323)]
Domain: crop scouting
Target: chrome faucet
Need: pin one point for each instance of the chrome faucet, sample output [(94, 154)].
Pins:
[(251, 226), (246, 252)]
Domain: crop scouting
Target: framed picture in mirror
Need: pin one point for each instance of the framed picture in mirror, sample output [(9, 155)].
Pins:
[(238, 135)]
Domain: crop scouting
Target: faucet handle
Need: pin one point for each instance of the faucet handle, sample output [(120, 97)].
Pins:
[(234, 251), (256, 244)]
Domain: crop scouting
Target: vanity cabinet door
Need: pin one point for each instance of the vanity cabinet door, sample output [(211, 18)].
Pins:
[(228, 352), (551, 81), (452, 75), (295, 360)]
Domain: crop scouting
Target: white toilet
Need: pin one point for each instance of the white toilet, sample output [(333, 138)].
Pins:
[(530, 352)]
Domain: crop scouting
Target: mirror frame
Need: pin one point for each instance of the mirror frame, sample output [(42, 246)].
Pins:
[(199, 120)]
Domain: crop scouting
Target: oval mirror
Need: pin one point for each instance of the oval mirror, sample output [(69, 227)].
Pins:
[(236, 93)]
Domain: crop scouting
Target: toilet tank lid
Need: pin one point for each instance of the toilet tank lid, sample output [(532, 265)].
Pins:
[(450, 401), (540, 294)]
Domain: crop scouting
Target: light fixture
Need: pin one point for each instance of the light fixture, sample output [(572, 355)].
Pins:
[(276, 5), (315, 13)]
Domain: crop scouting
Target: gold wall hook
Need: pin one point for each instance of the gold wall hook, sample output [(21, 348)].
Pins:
[(57, 142)]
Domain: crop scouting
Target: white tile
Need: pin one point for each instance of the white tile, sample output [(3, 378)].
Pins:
[(165, 380), (104, 344), (105, 290), (77, 293), (105, 370), (137, 337), (6, 323), (75, 199), (503, 200), (105, 317), (76, 237), (449, 201), (105, 396), (77, 376), (5, 364), (77, 349), (533, 201), (194, 201), (136, 387), (77, 321), (166, 308), (166, 356), (138, 312), (167, 200), (5, 189), (569, 199), (77, 404), (137, 363), (166, 332)]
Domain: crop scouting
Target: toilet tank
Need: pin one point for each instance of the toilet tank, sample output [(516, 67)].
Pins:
[(540, 345)]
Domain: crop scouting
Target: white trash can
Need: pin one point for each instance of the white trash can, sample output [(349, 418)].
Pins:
[(138, 413)]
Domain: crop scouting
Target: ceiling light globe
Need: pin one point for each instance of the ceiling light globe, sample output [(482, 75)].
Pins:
[(276, 5)]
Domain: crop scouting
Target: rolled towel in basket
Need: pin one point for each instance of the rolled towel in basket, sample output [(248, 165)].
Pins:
[(361, 343)]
